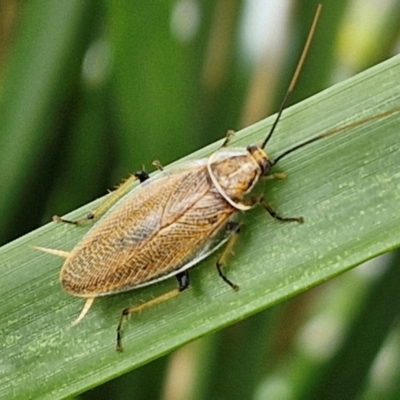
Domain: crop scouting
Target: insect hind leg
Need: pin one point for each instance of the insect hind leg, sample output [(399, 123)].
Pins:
[(183, 279), (110, 201)]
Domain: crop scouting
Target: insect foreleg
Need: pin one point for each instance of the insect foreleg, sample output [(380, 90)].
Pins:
[(233, 228), (272, 212), (228, 137), (110, 201), (158, 165)]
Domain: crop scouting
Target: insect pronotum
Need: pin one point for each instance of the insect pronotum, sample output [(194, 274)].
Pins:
[(171, 222)]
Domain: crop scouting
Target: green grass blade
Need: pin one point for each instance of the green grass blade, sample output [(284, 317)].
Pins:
[(346, 187)]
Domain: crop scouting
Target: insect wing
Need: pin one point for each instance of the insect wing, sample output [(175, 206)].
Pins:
[(148, 235)]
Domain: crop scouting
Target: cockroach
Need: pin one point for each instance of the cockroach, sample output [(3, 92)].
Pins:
[(170, 222)]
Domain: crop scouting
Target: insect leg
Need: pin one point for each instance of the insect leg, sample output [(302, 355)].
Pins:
[(142, 175), (273, 213), (233, 228), (228, 137), (158, 165), (183, 279), (111, 200)]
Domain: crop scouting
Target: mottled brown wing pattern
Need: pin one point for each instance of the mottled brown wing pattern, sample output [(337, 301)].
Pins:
[(139, 241)]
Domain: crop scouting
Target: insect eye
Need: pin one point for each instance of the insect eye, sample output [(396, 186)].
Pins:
[(266, 167), (261, 158)]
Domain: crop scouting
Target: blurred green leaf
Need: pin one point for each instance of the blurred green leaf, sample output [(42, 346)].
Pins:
[(46, 58)]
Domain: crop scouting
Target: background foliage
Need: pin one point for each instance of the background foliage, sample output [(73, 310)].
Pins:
[(90, 91)]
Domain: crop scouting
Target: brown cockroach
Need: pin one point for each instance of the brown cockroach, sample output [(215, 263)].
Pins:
[(172, 221)]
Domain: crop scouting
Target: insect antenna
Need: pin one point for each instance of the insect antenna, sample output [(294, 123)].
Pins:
[(295, 75), (334, 131), (290, 90)]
